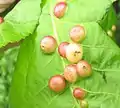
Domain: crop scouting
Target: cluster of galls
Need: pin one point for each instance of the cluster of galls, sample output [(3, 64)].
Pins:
[(73, 52)]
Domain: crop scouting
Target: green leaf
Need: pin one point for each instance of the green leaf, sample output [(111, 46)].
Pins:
[(34, 68), (20, 22)]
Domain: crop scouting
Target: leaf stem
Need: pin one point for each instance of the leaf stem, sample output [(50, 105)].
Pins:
[(55, 31)]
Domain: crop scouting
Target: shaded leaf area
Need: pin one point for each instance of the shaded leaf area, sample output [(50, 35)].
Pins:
[(20, 22), (34, 68), (118, 22), (109, 19)]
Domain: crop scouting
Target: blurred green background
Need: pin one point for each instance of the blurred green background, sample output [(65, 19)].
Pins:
[(7, 64), (9, 57)]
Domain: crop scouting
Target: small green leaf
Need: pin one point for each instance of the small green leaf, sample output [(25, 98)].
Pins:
[(20, 22)]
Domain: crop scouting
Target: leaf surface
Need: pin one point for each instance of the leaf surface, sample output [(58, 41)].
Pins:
[(34, 68)]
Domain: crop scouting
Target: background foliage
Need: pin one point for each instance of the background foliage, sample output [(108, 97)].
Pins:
[(7, 64)]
